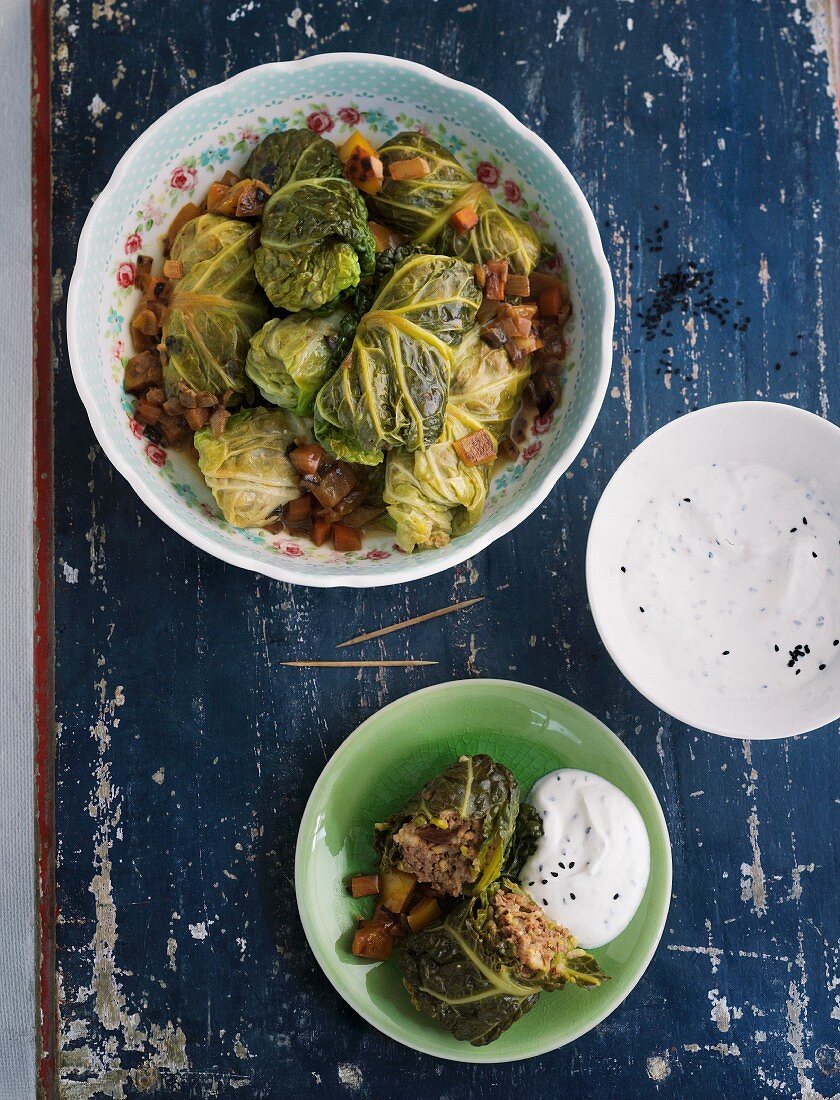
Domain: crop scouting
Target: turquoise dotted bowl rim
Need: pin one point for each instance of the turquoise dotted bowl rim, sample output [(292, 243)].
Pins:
[(480, 119)]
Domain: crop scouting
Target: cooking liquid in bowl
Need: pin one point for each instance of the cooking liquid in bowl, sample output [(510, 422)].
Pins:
[(732, 574)]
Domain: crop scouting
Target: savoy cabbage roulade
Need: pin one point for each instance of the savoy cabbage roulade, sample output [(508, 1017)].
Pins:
[(422, 207), (214, 309), (391, 390)]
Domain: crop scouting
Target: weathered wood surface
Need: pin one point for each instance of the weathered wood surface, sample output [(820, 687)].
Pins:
[(701, 133)]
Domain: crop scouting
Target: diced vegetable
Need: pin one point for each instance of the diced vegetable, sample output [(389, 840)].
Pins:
[(184, 215), (173, 269), (244, 199), (518, 286), (463, 220), (298, 511), (229, 178), (363, 886), (423, 913), (550, 301), (218, 420), (543, 280), (335, 484), (384, 237), (145, 322), (355, 143), (307, 458), (215, 196), (146, 412), (321, 531), (497, 273), (476, 449), (480, 275), (346, 506), (346, 538), (196, 418), (414, 168), (142, 371), (373, 941), (395, 888), (364, 171), (362, 515), (172, 427)]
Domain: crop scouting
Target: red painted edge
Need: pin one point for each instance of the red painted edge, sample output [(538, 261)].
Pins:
[(45, 984)]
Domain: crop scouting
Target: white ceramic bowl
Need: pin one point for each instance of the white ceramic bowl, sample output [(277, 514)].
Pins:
[(790, 441), (178, 157)]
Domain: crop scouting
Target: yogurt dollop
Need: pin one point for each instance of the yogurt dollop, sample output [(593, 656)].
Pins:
[(591, 866)]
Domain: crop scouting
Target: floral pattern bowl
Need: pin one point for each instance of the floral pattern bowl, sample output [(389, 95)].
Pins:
[(178, 157)]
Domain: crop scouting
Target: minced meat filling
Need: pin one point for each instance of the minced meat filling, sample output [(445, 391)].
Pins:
[(522, 922), (444, 858)]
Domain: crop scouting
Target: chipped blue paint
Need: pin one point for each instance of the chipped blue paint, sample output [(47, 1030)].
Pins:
[(185, 753)]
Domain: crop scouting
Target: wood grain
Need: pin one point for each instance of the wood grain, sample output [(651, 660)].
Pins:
[(701, 135)]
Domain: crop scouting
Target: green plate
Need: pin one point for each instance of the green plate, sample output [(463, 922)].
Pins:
[(386, 760)]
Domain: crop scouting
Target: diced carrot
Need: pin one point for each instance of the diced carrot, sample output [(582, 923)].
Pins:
[(542, 280), (414, 168), (216, 196), (550, 301), (346, 538), (363, 886), (495, 286), (364, 171), (229, 178), (423, 913), (354, 142), (173, 269), (476, 449), (373, 941), (463, 220), (145, 322), (321, 531), (184, 215), (517, 286), (298, 510), (196, 418), (383, 236), (155, 396)]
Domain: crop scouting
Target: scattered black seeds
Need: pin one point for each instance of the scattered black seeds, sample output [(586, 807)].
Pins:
[(563, 865), (807, 649), (545, 902), (836, 641), (555, 874), (793, 529), (571, 865), (822, 667), (798, 671), (805, 521), (813, 553), (725, 653), (615, 897), (544, 881), (641, 609), (687, 500), (530, 883), (624, 569), (776, 648), (572, 896)]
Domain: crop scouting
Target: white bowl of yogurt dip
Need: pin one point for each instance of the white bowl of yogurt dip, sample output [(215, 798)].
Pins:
[(713, 570)]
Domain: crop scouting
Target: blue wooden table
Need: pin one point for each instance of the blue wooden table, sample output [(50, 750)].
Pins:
[(705, 137)]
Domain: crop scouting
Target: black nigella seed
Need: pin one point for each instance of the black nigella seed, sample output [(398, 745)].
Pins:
[(804, 520), (793, 529), (836, 641), (725, 653), (641, 609), (687, 500), (813, 553), (798, 671), (530, 883), (572, 896), (615, 897), (555, 874), (544, 881), (624, 569), (545, 902), (807, 649), (571, 865), (562, 865), (791, 664), (822, 667), (776, 648)]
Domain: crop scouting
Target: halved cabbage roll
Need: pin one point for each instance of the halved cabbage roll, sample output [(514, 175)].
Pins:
[(214, 309), (246, 468), (482, 967), (290, 358)]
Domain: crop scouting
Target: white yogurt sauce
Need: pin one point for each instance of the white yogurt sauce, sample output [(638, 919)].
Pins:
[(591, 867), (732, 575)]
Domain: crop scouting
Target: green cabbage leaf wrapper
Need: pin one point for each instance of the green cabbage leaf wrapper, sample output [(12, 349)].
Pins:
[(290, 358), (422, 208), (474, 787), (315, 244), (292, 155), (392, 389), (461, 972), (246, 468), (526, 836), (214, 309), (432, 496)]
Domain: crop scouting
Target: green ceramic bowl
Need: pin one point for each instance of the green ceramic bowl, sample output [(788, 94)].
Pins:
[(386, 760)]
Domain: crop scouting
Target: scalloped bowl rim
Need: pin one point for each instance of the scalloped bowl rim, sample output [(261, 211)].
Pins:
[(304, 839), (459, 549)]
